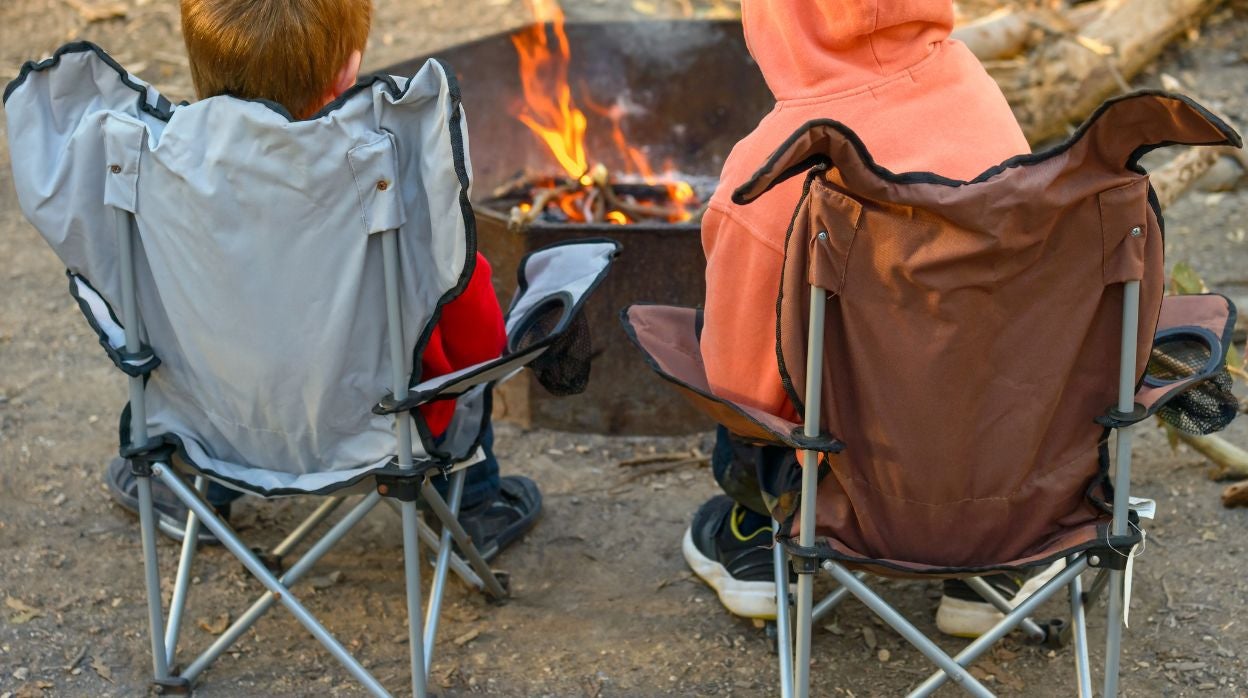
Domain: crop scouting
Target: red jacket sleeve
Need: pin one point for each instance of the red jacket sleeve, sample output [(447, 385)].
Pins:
[(472, 324), (469, 331)]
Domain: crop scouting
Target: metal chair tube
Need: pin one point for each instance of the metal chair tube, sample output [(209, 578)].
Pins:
[(138, 437), (1122, 477), (190, 539), (403, 429), (810, 483)]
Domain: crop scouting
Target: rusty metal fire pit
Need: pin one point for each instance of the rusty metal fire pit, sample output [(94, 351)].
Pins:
[(693, 93)]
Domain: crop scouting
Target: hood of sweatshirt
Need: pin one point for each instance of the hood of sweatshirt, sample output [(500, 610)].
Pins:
[(815, 48)]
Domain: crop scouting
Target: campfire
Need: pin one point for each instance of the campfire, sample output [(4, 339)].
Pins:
[(583, 193)]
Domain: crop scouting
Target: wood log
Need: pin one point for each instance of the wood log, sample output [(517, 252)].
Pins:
[(1230, 461), (1235, 495), (1193, 164), (1073, 73), (1186, 169), (1001, 34)]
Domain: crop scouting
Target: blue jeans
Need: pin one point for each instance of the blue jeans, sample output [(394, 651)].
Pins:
[(759, 478), (481, 481)]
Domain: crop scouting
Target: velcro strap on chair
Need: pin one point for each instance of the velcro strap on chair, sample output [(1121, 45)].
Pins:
[(805, 560), (108, 328), (1116, 419), (141, 458), (403, 484), (1115, 551)]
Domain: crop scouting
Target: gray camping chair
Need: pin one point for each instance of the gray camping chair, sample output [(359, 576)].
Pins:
[(277, 281)]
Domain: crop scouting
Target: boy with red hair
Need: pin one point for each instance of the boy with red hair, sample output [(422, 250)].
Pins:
[(303, 55)]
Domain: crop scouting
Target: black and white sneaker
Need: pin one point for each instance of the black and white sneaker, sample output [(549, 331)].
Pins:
[(729, 547), (964, 613), (123, 486)]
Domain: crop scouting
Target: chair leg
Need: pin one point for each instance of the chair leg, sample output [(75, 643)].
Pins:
[(440, 569), (450, 522), (832, 600), (183, 584), (784, 633), (984, 642), (253, 564), (411, 569), (303, 530), (1079, 627), (1034, 632), (906, 629), (431, 539), (292, 575), (147, 527)]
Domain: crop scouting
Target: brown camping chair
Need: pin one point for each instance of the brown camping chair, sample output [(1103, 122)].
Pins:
[(960, 352)]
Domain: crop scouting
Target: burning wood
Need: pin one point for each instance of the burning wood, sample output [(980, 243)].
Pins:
[(582, 194), (597, 197)]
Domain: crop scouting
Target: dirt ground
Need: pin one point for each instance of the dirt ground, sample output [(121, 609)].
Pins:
[(604, 604)]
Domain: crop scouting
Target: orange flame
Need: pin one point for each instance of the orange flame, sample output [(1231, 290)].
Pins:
[(557, 121), (550, 112)]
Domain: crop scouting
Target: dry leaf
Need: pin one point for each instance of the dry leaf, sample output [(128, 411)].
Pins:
[(25, 612), (467, 637), (645, 7), (217, 625), (868, 636), (99, 11), (100, 668), (325, 581)]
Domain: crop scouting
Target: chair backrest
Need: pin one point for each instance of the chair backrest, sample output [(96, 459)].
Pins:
[(258, 264), (973, 329)]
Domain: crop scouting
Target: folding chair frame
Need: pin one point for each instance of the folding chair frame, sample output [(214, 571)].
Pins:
[(795, 672), (147, 464)]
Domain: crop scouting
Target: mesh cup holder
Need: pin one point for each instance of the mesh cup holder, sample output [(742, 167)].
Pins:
[(1205, 407), (563, 369)]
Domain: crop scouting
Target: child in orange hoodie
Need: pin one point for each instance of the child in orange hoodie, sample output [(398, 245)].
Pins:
[(920, 101)]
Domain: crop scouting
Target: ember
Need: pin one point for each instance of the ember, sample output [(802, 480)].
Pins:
[(584, 194)]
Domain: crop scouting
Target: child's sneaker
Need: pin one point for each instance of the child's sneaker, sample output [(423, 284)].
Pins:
[(497, 523), (964, 613), (729, 547), (170, 512)]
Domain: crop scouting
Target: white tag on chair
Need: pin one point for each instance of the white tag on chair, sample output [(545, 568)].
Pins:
[(1126, 580), (1143, 508)]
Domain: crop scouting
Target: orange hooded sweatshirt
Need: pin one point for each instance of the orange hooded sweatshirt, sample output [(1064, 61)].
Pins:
[(919, 100)]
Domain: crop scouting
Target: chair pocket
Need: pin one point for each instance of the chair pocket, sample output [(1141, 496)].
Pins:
[(1124, 231)]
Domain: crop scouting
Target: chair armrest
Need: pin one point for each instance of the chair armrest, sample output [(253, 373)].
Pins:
[(554, 281), (1189, 349), (109, 329), (668, 338)]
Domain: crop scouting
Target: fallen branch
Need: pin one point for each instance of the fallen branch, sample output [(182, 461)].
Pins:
[(658, 458), (99, 11), (1001, 34), (1178, 175), (1235, 495), (656, 468), (1231, 461), (1073, 73), (1189, 166)]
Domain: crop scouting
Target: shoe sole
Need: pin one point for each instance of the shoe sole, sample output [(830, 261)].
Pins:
[(967, 619), (166, 525), (745, 599), (970, 619)]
